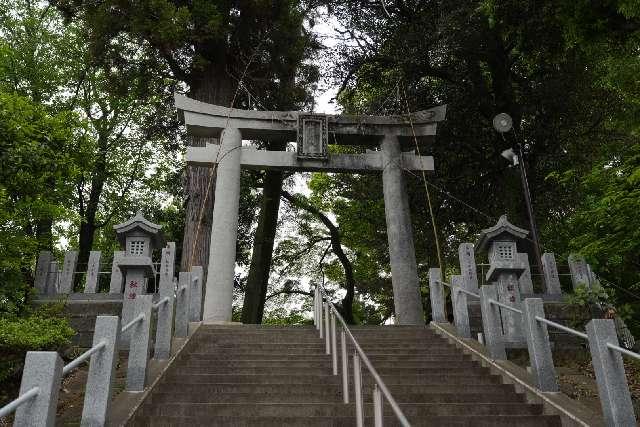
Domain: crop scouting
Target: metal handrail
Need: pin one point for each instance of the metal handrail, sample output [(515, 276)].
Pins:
[(378, 381), (138, 318), (623, 350), (562, 327), (159, 303), (459, 289), (14, 404), (505, 306), (84, 356)]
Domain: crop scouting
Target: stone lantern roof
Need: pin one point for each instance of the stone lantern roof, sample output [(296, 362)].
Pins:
[(502, 231), (139, 224)]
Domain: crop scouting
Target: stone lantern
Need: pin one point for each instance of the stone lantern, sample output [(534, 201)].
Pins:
[(138, 238), (502, 242)]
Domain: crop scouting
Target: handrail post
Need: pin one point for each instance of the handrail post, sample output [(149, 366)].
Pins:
[(42, 369), (99, 387), (320, 316), (436, 295), (315, 307), (334, 346), (377, 406), (491, 323), (357, 385), (460, 308), (181, 326), (345, 367), (327, 334), (540, 355), (195, 294), (164, 330), (139, 345), (608, 366)]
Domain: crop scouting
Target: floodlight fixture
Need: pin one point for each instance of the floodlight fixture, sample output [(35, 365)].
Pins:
[(511, 156), (503, 122)]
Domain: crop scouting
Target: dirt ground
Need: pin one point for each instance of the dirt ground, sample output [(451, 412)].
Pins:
[(71, 396), (577, 379)]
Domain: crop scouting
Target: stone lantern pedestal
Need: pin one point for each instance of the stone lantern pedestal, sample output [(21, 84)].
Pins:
[(506, 266), (138, 238)]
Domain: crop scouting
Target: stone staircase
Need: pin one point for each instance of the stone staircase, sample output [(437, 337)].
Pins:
[(280, 376)]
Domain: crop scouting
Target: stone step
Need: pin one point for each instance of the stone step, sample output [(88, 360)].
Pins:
[(323, 395), (317, 349), (391, 358), (504, 390), (398, 369), (323, 363), (349, 421), (214, 356), (281, 370), (410, 410), (368, 342), (320, 380)]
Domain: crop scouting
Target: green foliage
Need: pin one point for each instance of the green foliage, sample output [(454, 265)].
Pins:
[(283, 316), (40, 157), (45, 329), (584, 296)]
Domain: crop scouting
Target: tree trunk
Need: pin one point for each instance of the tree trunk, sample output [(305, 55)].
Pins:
[(89, 213), (258, 280), (215, 87)]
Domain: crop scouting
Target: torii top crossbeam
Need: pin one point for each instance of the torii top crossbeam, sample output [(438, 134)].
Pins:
[(208, 120)]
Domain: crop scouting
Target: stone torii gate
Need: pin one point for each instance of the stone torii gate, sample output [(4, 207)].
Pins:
[(392, 135)]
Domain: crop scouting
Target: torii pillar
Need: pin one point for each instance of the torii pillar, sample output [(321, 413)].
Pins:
[(393, 135)]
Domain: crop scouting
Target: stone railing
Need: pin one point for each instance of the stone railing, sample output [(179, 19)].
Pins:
[(606, 353), (43, 370)]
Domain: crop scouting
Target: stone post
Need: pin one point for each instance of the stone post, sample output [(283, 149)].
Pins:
[(52, 278), (613, 389), (551, 277), (509, 294), (404, 274), (102, 367), (42, 271), (167, 270), (195, 294), (42, 369), (164, 329), (224, 230), (491, 323), (540, 355), (139, 345), (468, 269), (460, 309), (115, 284), (68, 268), (182, 305), (579, 271), (134, 287), (93, 269), (525, 281), (436, 294)]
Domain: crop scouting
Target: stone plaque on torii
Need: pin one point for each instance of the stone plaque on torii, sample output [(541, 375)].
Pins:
[(390, 149)]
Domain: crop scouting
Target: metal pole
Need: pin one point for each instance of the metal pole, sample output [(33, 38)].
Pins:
[(357, 384), (532, 220), (320, 322), (377, 406), (326, 329), (345, 367), (334, 346), (315, 308)]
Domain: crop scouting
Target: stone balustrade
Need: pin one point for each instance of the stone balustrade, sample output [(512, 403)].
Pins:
[(606, 354), (43, 370)]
